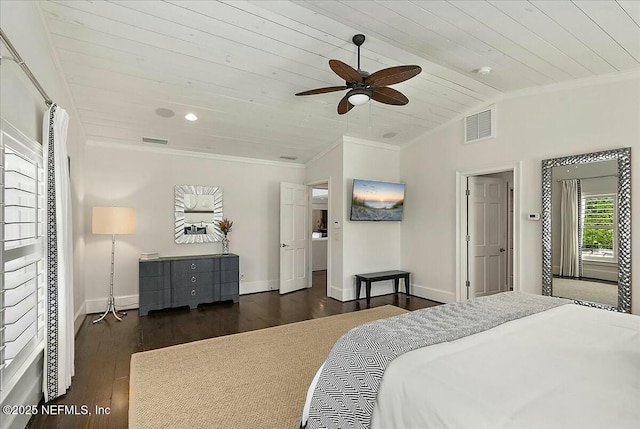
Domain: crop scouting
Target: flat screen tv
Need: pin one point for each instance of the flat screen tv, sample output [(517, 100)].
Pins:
[(376, 201)]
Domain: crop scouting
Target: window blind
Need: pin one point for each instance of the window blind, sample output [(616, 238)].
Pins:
[(22, 264), (599, 211)]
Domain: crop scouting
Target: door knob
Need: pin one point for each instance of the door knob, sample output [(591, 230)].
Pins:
[(284, 245), (502, 250)]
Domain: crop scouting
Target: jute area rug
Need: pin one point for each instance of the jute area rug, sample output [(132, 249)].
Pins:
[(251, 380)]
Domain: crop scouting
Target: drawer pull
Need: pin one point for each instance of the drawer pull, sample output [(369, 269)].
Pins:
[(193, 292), (193, 279), (193, 266)]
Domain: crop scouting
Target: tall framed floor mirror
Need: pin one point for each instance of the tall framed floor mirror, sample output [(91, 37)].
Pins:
[(586, 228)]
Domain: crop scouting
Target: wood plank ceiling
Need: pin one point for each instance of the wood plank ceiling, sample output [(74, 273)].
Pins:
[(237, 64)]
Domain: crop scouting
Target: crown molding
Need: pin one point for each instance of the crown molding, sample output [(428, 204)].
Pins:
[(371, 143), (193, 154)]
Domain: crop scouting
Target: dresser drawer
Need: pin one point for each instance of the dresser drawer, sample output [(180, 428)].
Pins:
[(230, 263), (149, 284), (229, 276), (153, 268), (154, 300), (187, 280), (228, 289), (192, 279), (186, 295), (193, 266)]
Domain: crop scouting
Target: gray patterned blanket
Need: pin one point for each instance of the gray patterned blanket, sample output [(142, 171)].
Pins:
[(348, 384)]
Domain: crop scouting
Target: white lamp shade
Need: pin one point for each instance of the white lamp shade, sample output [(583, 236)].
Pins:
[(113, 220), (358, 99)]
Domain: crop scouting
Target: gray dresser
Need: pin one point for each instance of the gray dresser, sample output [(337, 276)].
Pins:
[(187, 280)]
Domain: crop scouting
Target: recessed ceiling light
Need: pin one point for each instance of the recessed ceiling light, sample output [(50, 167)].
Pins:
[(484, 70), (190, 117), (164, 112)]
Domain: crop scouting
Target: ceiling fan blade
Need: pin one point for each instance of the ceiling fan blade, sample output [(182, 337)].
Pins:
[(322, 90), (345, 71), (392, 75), (388, 96), (344, 106)]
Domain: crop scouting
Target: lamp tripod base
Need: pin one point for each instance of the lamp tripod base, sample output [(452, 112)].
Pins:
[(111, 308)]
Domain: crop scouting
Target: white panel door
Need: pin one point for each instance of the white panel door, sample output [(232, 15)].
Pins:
[(294, 237), (487, 233)]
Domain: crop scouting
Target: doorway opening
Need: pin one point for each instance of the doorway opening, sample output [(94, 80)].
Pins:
[(320, 260), (488, 232)]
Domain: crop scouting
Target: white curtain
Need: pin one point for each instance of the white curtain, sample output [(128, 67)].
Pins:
[(570, 228), (59, 341)]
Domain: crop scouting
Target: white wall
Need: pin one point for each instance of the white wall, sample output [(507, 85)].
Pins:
[(24, 107), (369, 246), (357, 247), (601, 115), (145, 178)]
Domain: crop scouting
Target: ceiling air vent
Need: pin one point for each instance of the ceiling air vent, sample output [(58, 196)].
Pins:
[(480, 126), (154, 141)]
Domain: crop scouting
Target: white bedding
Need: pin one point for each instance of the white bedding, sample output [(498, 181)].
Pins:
[(568, 367)]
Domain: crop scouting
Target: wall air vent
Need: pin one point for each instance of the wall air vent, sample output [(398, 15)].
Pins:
[(480, 126), (288, 157), (154, 141)]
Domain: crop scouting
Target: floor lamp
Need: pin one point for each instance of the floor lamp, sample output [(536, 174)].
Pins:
[(112, 220)]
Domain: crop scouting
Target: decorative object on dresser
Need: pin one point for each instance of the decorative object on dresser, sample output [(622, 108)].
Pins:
[(198, 209), (187, 280), (149, 255), (225, 226), (112, 220)]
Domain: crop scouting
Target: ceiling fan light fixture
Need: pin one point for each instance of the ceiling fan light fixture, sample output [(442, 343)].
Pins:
[(358, 97), (363, 86)]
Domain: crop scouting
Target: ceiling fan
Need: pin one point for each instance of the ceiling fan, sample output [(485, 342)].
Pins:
[(364, 86)]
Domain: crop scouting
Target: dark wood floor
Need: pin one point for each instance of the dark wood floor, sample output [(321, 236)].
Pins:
[(103, 351)]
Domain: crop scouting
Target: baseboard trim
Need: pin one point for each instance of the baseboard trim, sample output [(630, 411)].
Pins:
[(387, 288), (433, 294), (125, 302), (79, 317), (129, 302), (336, 293), (258, 286)]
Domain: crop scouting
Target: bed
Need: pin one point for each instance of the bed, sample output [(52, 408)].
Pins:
[(511, 360)]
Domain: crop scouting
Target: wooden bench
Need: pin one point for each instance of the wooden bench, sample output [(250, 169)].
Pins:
[(369, 278)]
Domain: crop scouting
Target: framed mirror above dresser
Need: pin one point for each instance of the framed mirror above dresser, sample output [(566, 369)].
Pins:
[(198, 209), (586, 228)]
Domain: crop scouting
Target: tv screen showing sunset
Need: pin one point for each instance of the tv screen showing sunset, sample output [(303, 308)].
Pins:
[(376, 201)]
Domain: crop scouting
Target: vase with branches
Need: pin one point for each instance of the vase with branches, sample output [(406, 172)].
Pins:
[(225, 227)]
